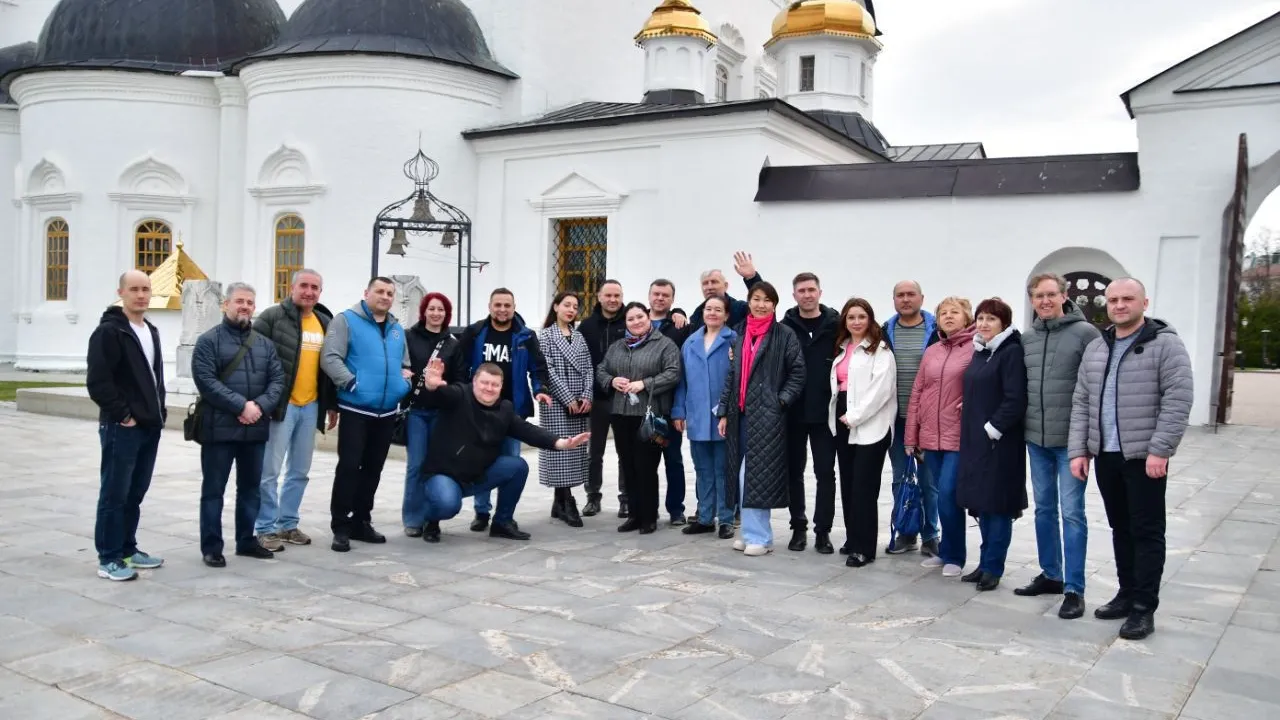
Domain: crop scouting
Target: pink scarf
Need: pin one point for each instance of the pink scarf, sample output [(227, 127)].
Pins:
[(756, 329)]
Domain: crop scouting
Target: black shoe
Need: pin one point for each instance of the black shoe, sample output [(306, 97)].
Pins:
[(1119, 607), (697, 528), (678, 521), (1041, 585), (508, 531), (431, 533), (973, 577), (1072, 606), (929, 548), (630, 525), (726, 531), (1140, 624), (255, 551), (649, 529), (569, 511), (592, 508), (480, 524), (799, 541), (341, 542), (844, 549), (822, 543), (364, 532), (904, 544), (988, 582), (413, 531), (624, 509), (858, 560), (215, 560)]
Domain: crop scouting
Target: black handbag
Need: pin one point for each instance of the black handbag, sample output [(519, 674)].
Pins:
[(192, 423), (654, 428), (400, 434)]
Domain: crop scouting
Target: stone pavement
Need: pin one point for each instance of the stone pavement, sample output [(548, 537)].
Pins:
[(592, 624)]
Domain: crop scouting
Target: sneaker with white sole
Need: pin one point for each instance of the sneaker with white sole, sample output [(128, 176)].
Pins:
[(951, 570), (117, 571), (272, 542), (740, 545), (757, 550), (142, 561), (933, 562)]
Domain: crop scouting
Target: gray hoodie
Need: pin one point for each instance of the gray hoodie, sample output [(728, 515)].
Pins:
[(1052, 350)]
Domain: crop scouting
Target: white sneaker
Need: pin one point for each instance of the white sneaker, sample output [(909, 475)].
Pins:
[(951, 570), (740, 545), (757, 550), (932, 562)]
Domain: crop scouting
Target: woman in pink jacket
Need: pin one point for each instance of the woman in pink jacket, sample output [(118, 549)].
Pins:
[(933, 423)]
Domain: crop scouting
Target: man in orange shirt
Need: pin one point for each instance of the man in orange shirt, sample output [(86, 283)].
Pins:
[(297, 327)]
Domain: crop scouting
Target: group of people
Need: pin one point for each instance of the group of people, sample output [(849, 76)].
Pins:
[(957, 400)]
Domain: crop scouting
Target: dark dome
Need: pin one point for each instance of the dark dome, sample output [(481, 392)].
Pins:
[(161, 35), (14, 57), (443, 30)]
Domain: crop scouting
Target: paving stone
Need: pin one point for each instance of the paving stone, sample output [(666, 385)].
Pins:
[(424, 708), (146, 691), (417, 671), (59, 666), (493, 694), (46, 702), (176, 645)]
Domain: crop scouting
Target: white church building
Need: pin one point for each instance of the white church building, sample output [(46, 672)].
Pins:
[(649, 142)]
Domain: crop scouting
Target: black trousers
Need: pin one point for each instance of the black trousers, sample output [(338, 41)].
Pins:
[(215, 467), (363, 442), (601, 418), (639, 466), (1136, 512), (801, 439), (860, 478)]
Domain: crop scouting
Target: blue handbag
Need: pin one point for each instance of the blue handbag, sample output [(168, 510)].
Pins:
[(908, 510)]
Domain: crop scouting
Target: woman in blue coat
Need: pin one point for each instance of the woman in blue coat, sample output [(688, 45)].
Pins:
[(992, 480), (706, 358)]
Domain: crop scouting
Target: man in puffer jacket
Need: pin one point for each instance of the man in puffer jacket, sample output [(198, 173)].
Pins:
[(241, 382), (1052, 351), (1132, 400)]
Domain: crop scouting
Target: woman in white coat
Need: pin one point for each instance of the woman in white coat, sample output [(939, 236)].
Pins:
[(864, 405)]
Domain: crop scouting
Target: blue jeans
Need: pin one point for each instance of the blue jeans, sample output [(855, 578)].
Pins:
[(292, 443), (418, 428), (1051, 479), (709, 465), (924, 478), (944, 465), (673, 460), (997, 533), (507, 475), (757, 528), (484, 499), (215, 465), (128, 458)]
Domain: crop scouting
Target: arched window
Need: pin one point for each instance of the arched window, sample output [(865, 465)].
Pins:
[(1089, 292), (57, 252), (291, 237), (722, 83), (152, 242)]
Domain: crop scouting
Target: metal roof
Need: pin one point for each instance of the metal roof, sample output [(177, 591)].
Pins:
[(946, 151)]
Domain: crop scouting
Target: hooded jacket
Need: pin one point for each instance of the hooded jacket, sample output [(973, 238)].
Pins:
[(933, 413), (364, 361), (259, 377), (1053, 350), (818, 351), (1153, 394), (282, 325), (601, 332), (120, 382), (528, 367)]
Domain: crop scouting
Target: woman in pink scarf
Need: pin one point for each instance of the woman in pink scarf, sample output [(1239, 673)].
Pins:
[(766, 374)]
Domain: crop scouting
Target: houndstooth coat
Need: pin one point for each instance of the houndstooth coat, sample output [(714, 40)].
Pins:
[(569, 378)]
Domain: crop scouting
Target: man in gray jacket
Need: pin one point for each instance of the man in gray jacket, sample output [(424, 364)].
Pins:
[(1132, 400), (1052, 350)]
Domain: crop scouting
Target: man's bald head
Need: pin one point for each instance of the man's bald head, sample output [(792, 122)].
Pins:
[(135, 294), (1126, 304), (1129, 284), (133, 277)]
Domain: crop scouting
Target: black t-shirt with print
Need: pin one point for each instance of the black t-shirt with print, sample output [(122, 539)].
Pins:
[(497, 350)]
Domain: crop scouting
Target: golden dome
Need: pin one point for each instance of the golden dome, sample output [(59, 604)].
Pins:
[(844, 18), (676, 18)]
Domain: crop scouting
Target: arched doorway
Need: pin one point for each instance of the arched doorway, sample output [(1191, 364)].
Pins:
[(1087, 271), (1088, 290)]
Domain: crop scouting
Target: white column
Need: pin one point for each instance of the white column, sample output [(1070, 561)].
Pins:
[(232, 260)]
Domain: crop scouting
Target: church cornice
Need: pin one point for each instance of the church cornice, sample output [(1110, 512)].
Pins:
[(78, 85), (9, 124), (358, 72)]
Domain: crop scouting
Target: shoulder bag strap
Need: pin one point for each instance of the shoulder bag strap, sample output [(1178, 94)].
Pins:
[(235, 362)]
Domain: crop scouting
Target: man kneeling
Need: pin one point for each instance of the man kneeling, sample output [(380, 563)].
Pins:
[(465, 454)]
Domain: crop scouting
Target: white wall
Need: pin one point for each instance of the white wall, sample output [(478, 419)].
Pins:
[(10, 160), (328, 138), (106, 150)]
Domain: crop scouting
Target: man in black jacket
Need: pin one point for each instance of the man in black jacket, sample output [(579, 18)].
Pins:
[(673, 324), (241, 382), (714, 285), (126, 381), (466, 456), (296, 327), (603, 328)]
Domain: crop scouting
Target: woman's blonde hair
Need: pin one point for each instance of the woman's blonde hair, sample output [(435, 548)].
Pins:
[(962, 303)]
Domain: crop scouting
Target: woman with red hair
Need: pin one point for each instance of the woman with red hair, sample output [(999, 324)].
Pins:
[(429, 338)]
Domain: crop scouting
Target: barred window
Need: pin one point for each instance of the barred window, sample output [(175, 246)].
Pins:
[(291, 237), (153, 242), (807, 71), (581, 251), (57, 244)]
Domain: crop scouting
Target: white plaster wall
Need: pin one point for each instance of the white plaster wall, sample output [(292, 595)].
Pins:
[(10, 160), (355, 121), (92, 126), (21, 20)]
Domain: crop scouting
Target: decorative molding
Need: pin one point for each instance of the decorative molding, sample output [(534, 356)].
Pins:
[(52, 201), (231, 91), (148, 201), (25, 317), (46, 178), (9, 120), (113, 86), (732, 49), (288, 192), (73, 317), (287, 166), (627, 136), (577, 196), (341, 72), (149, 176)]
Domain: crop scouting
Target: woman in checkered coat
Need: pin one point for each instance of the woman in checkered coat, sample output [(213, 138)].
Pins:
[(569, 380)]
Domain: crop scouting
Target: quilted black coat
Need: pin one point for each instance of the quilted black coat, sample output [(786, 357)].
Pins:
[(259, 377), (282, 324), (776, 382)]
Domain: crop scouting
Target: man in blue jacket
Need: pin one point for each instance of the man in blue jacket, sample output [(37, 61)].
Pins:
[(366, 356), (504, 340)]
